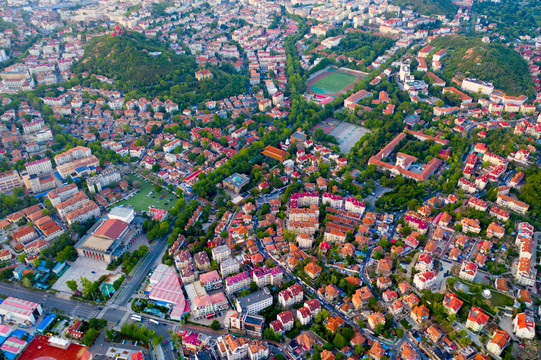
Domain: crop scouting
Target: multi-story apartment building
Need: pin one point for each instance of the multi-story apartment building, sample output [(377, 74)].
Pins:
[(229, 266), (38, 167), (424, 281), (211, 280), (255, 302), (62, 194), (220, 253), (9, 180), (354, 205), (305, 240), (73, 203), (237, 282), (332, 200), (81, 215), (77, 152), (105, 178)]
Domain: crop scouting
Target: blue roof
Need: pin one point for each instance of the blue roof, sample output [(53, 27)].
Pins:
[(47, 320), (59, 267), (18, 333), (81, 169), (57, 174), (10, 355), (37, 196)]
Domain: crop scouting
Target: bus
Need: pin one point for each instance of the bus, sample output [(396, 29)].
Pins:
[(172, 346), (154, 322), (136, 317)]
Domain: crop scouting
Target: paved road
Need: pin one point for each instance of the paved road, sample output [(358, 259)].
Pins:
[(150, 261), (50, 302)]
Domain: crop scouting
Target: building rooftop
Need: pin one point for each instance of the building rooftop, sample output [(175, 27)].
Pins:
[(238, 180), (254, 298), (111, 229)]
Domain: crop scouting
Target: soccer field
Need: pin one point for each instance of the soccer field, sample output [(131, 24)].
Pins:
[(333, 82), (141, 201)]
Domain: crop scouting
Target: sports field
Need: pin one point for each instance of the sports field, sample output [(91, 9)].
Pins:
[(141, 201), (333, 82)]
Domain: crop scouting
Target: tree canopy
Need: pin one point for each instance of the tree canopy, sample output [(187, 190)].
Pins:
[(128, 61), (501, 65), (429, 7)]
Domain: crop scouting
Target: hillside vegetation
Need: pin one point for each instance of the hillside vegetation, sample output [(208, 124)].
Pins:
[(513, 18), (365, 46), (126, 60), (429, 7), (489, 62)]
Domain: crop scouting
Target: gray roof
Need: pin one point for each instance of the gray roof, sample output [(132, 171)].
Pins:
[(254, 298)]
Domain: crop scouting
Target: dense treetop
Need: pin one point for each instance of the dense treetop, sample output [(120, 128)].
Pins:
[(489, 62), (429, 7), (136, 67)]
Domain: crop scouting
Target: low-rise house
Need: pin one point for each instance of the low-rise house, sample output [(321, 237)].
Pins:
[(499, 341), (524, 326), (452, 303), (420, 313), (477, 319)]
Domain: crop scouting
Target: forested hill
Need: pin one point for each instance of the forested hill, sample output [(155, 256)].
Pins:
[(429, 7), (489, 62), (126, 60)]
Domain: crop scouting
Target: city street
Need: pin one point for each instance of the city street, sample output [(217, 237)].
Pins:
[(132, 284), (51, 302)]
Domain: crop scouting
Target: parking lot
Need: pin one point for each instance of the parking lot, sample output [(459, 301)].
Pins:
[(82, 267)]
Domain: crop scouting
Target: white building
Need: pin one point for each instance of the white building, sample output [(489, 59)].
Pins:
[(305, 241), (477, 86), (424, 281), (38, 167), (229, 266), (524, 326), (254, 302), (20, 311), (221, 253)]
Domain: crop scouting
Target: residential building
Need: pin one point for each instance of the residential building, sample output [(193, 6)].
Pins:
[(476, 319), (424, 281), (499, 341), (221, 253), (452, 303), (468, 271), (229, 266), (524, 326), (254, 302), (10, 180)]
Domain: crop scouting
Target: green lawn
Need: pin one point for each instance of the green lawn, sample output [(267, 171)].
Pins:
[(498, 299), (333, 83), (141, 201)]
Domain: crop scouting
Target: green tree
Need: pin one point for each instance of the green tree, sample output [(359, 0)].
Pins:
[(27, 282), (89, 336), (339, 342), (215, 325), (72, 285)]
